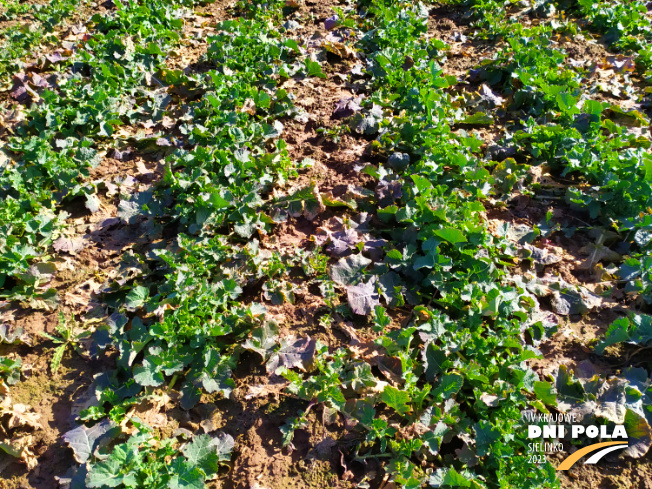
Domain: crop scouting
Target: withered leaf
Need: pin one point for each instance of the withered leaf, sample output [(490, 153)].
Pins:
[(69, 245), (363, 297), (293, 353)]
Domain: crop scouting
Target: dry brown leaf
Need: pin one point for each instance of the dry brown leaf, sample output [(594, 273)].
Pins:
[(20, 448), (619, 63), (249, 107), (264, 390), (19, 415), (69, 245), (339, 49)]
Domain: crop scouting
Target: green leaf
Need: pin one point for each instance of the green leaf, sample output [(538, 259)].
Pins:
[(313, 68), (647, 162), (434, 359), (396, 399), (485, 436), (451, 235), (478, 119), (292, 44), (422, 184), (637, 331), (105, 474), (186, 476), (57, 357), (448, 478), (450, 385), (201, 453), (545, 393), (136, 297), (567, 103), (148, 374)]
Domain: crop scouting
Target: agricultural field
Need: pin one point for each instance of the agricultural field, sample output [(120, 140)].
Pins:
[(301, 244)]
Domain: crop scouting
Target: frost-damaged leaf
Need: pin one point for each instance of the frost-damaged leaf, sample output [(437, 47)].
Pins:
[(366, 125), (82, 440), (20, 448), (346, 107), (467, 455), (569, 299), (489, 96), (347, 271), (642, 236), (399, 161), (11, 336), (292, 353), (262, 339), (48, 300), (331, 22), (391, 287), (519, 233), (542, 256), (276, 129), (541, 325), (69, 245), (92, 202), (305, 202), (570, 391), (363, 297), (130, 210), (279, 291), (619, 63), (18, 415), (42, 272), (639, 434), (598, 252), (343, 241), (276, 385), (389, 192)]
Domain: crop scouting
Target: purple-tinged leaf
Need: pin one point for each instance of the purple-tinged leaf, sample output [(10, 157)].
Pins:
[(363, 297), (293, 353)]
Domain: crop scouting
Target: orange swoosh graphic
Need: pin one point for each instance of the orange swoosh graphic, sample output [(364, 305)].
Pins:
[(571, 459)]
